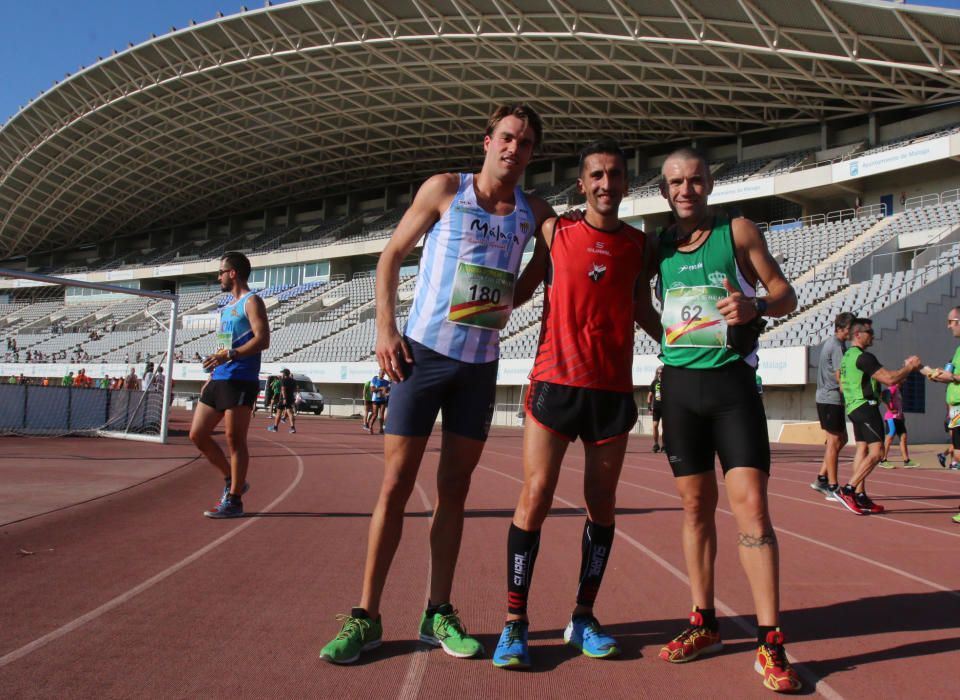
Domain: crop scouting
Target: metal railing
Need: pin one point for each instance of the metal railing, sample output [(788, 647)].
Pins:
[(869, 211), (932, 200)]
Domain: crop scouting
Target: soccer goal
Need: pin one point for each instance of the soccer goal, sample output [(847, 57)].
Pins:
[(84, 358)]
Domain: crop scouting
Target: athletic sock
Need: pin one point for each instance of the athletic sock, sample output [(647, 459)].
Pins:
[(833, 487), (432, 609), (234, 499), (360, 613), (594, 554), (821, 478), (709, 616), (762, 633), (522, 547)]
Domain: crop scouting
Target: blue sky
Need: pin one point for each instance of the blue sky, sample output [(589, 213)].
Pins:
[(42, 40)]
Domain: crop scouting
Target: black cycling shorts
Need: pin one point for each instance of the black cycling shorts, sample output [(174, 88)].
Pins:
[(714, 413), (868, 424), (832, 418), (224, 394), (593, 415)]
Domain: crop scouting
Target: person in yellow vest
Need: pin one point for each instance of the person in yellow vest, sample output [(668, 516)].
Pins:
[(860, 377)]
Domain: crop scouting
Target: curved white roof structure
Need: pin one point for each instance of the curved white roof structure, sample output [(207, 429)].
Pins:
[(312, 98)]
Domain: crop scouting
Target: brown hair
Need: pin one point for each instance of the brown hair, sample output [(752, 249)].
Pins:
[(520, 111)]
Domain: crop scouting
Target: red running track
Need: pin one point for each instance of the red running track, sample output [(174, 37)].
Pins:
[(114, 586)]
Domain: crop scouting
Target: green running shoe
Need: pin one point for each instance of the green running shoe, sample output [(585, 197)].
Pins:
[(357, 635), (909, 464), (884, 464), (445, 630)]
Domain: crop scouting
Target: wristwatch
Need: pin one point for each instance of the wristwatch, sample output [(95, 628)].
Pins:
[(760, 305), (231, 355)]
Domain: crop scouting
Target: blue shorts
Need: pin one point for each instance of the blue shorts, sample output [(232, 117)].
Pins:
[(464, 391)]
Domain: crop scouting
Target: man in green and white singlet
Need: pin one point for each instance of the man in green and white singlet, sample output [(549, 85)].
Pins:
[(710, 266)]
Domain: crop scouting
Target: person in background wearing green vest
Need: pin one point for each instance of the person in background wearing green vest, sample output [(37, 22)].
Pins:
[(950, 375), (710, 268), (860, 374)]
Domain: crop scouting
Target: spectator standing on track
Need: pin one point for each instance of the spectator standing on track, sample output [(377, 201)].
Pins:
[(655, 405), (243, 333), (950, 375), (597, 276), (830, 404), (287, 406), (379, 388), (860, 374), (896, 426), (132, 382), (67, 379), (710, 268), (476, 228), (367, 404), (276, 397)]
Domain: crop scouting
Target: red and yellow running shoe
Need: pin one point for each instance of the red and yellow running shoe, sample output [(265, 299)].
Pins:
[(778, 674), (692, 642)]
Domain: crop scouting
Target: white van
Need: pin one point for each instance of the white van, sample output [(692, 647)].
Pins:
[(308, 398)]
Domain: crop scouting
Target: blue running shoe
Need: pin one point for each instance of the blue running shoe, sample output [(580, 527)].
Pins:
[(512, 650), (225, 509), (584, 633), (226, 491), (942, 458)]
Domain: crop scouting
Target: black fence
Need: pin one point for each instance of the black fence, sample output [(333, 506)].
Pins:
[(29, 409)]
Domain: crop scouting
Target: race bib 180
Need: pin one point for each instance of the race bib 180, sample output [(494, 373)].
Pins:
[(482, 296), (691, 320)]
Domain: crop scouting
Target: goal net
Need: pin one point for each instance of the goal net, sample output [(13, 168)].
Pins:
[(83, 358)]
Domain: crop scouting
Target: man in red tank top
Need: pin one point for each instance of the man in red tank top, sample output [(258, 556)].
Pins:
[(597, 276)]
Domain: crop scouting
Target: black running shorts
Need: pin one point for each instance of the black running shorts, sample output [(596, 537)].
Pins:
[(463, 392), (832, 418), (714, 413), (868, 424), (593, 415), (657, 411), (224, 394)]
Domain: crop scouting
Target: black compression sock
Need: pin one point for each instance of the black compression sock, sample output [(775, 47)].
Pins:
[(522, 547), (594, 554)]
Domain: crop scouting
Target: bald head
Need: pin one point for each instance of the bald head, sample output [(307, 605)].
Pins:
[(686, 182)]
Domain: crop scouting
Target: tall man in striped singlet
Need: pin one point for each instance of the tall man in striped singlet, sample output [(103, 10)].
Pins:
[(597, 276), (476, 229), (242, 335), (710, 267)]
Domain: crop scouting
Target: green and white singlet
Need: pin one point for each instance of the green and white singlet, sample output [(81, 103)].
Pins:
[(690, 285)]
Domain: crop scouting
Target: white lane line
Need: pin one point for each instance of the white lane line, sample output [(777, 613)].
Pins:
[(889, 517), (75, 624), (417, 668), (808, 677)]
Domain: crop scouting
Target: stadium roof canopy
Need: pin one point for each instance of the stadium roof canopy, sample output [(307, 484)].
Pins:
[(311, 98)]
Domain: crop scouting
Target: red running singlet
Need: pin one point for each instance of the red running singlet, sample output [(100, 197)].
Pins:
[(586, 335)]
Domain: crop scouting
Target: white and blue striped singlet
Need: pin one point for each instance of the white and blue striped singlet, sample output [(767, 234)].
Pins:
[(466, 232)]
